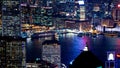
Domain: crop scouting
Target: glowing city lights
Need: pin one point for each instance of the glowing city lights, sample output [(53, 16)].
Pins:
[(118, 5), (81, 2)]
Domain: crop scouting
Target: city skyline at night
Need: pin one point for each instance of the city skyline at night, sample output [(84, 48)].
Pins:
[(54, 33)]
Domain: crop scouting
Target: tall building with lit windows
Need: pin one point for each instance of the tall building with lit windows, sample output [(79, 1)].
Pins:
[(116, 12), (0, 18), (51, 52), (80, 10), (11, 25), (35, 14), (12, 52), (12, 45)]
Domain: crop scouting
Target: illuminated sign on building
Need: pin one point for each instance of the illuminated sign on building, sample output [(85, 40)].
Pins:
[(110, 60), (110, 56)]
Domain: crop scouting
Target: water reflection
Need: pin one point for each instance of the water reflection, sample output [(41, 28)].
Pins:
[(71, 46)]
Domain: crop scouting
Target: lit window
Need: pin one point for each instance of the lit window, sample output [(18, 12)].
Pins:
[(28, 65), (34, 66), (81, 2), (67, 14)]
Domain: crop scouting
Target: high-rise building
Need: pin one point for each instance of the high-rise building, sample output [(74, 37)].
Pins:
[(12, 52), (116, 12), (0, 17), (80, 10), (46, 16), (11, 25), (51, 52), (0, 24), (37, 12)]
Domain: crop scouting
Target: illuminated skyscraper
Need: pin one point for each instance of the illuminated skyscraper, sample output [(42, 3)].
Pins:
[(51, 52), (80, 10), (116, 12), (0, 18), (12, 52), (11, 25), (37, 12)]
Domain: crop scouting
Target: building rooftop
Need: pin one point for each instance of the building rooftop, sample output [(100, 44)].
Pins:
[(86, 59), (50, 42)]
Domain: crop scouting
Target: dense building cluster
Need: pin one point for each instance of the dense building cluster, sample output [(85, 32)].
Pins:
[(20, 19), (34, 14), (12, 52)]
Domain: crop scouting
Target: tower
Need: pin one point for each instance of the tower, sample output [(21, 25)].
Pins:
[(11, 25), (12, 52), (51, 52)]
